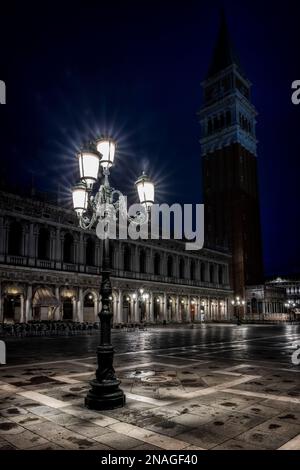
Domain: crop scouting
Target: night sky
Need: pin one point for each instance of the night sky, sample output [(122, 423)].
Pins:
[(134, 70)]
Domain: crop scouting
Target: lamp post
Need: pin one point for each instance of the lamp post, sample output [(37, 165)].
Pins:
[(91, 206), (237, 303)]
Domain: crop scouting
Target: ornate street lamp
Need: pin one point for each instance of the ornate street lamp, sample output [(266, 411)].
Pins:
[(91, 206), (237, 303)]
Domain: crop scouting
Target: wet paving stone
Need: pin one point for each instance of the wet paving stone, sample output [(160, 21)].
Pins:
[(189, 397)]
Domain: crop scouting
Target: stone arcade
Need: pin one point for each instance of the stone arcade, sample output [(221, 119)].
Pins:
[(50, 269)]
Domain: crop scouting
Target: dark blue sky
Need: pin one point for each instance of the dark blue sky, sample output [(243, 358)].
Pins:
[(134, 69)]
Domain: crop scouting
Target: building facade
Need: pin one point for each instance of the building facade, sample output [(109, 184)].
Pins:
[(50, 270), (229, 153)]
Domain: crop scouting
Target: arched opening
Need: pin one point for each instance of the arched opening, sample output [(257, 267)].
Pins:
[(68, 248), (90, 252), (182, 310), (142, 310), (15, 236), (254, 306), (67, 309), (45, 304), (89, 307), (181, 268), (127, 258), (44, 244), (157, 264), (170, 266), (171, 309), (142, 261), (193, 310), (12, 308), (127, 317), (156, 309)]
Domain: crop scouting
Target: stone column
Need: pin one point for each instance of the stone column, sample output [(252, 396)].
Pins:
[(165, 308), (28, 304), (22, 310), (80, 305), (151, 307), (177, 307), (136, 311), (57, 313), (188, 315), (74, 307), (119, 318)]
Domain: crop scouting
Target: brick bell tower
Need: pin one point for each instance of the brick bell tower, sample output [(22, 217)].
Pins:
[(228, 149)]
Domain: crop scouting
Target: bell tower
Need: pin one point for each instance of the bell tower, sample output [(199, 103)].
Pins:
[(229, 156)]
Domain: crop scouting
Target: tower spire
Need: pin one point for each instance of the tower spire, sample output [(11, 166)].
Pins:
[(224, 54)]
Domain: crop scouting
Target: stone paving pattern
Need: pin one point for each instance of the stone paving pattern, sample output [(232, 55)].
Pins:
[(200, 396)]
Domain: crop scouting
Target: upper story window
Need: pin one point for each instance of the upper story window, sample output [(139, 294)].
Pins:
[(44, 244), (192, 270), (127, 258), (157, 264), (211, 273), (221, 274), (68, 248), (202, 272), (90, 252), (170, 266), (142, 261), (15, 238), (181, 269)]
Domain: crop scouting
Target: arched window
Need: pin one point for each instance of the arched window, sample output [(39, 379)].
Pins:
[(68, 248), (211, 273), (15, 237), (90, 252), (192, 270), (142, 261), (88, 300), (181, 268), (44, 244), (202, 273), (157, 264), (127, 258), (220, 275), (170, 266)]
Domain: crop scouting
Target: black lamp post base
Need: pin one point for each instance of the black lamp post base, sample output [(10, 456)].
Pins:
[(105, 395)]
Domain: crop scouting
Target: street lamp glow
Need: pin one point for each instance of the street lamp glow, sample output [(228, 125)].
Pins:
[(88, 160), (145, 189), (80, 198), (106, 148)]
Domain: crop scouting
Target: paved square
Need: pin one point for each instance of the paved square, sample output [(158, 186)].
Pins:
[(210, 387)]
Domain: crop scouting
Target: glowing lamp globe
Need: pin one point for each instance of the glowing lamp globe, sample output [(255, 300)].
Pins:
[(145, 189), (106, 148), (88, 160), (80, 198)]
